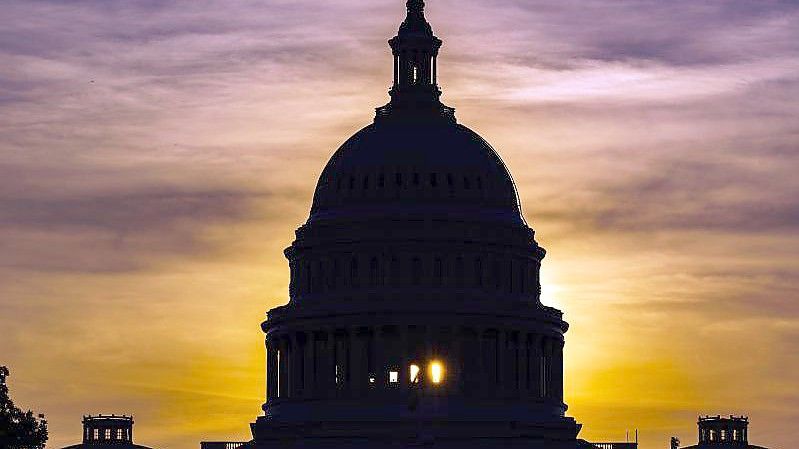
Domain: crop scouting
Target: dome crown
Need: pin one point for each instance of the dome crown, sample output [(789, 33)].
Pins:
[(415, 160)]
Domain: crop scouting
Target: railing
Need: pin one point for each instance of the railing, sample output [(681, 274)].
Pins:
[(224, 444), (615, 445)]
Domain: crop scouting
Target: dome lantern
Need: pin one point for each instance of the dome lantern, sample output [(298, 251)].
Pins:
[(415, 91)]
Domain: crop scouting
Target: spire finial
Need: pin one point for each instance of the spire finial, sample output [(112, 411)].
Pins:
[(415, 6)]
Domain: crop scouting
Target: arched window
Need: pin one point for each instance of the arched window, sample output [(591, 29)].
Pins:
[(374, 272), (354, 272), (336, 278), (478, 272), (509, 284), (416, 271), (395, 271), (320, 275)]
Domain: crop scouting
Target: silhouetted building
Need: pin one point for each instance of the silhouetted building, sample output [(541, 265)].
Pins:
[(107, 431), (624, 445), (225, 444), (414, 314), (717, 432)]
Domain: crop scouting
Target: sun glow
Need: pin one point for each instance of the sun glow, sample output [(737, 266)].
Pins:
[(436, 372)]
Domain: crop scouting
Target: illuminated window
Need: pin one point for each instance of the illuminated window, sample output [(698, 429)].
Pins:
[(107, 434), (393, 377), (436, 372), (96, 434), (371, 378), (119, 434), (414, 374), (415, 75)]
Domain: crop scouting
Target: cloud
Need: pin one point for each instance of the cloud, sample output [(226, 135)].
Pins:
[(157, 156), (113, 231)]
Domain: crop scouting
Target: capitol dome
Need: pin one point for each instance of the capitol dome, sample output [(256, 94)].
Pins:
[(414, 313), (402, 168)]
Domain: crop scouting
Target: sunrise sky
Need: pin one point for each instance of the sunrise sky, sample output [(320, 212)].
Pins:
[(156, 157)]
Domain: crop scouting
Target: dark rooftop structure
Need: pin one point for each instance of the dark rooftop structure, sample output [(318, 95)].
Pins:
[(723, 432), (107, 432)]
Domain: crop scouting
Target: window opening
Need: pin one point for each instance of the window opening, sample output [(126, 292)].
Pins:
[(414, 373), (436, 372)]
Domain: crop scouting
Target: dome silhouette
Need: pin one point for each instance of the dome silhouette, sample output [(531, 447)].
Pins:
[(414, 313), (407, 169)]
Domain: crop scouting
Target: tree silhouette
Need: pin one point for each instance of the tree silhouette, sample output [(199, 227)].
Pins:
[(18, 429)]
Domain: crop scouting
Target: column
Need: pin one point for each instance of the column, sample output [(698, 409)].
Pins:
[(482, 369), (396, 69), (378, 355), (547, 363), (557, 370), (295, 366), (330, 372), (404, 362), (523, 364), (309, 354), (536, 370), (514, 367), (359, 378), (271, 371), (283, 368), (470, 355), (502, 350)]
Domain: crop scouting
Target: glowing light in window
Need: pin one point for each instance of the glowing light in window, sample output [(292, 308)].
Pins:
[(436, 372), (393, 377), (414, 374)]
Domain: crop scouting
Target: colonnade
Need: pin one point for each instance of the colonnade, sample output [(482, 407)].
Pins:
[(362, 361), (721, 434)]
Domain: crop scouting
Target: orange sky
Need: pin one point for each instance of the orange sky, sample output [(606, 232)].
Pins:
[(156, 159)]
